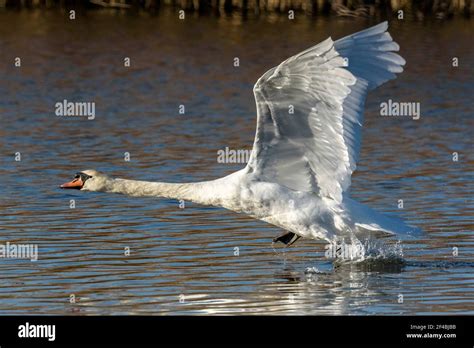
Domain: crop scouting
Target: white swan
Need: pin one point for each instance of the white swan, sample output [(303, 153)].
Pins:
[(310, 111)]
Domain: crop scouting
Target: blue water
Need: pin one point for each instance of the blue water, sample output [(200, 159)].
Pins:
[(183, 261)]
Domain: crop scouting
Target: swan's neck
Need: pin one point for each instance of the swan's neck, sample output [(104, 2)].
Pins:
[(206, 192)]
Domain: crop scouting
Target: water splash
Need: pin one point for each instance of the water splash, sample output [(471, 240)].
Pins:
[(368, 250), (314, 270)]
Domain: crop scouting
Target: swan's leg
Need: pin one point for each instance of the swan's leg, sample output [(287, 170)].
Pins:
[(287, 238)]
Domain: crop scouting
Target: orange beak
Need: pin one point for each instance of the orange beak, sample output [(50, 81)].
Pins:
[(75, 184)]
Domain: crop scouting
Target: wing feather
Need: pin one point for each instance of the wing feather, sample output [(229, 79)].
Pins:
[(310, 111)]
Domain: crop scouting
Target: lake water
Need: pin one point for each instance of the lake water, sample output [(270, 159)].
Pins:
[(183, 261)]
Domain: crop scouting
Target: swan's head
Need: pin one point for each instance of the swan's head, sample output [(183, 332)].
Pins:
[(87, 180)]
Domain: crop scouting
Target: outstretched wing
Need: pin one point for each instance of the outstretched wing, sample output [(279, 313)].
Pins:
[(310, 111)]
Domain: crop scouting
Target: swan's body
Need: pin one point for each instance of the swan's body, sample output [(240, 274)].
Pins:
[(310, 111)]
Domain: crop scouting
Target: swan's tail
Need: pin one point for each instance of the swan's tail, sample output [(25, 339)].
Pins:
[(370, 222)]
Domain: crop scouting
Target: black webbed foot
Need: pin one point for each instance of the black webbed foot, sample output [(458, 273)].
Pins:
[(287, 238)]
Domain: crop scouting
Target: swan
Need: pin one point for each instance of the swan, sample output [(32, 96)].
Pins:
[(309, 120)]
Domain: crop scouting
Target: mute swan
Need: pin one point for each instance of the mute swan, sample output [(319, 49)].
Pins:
[(299, 173)]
